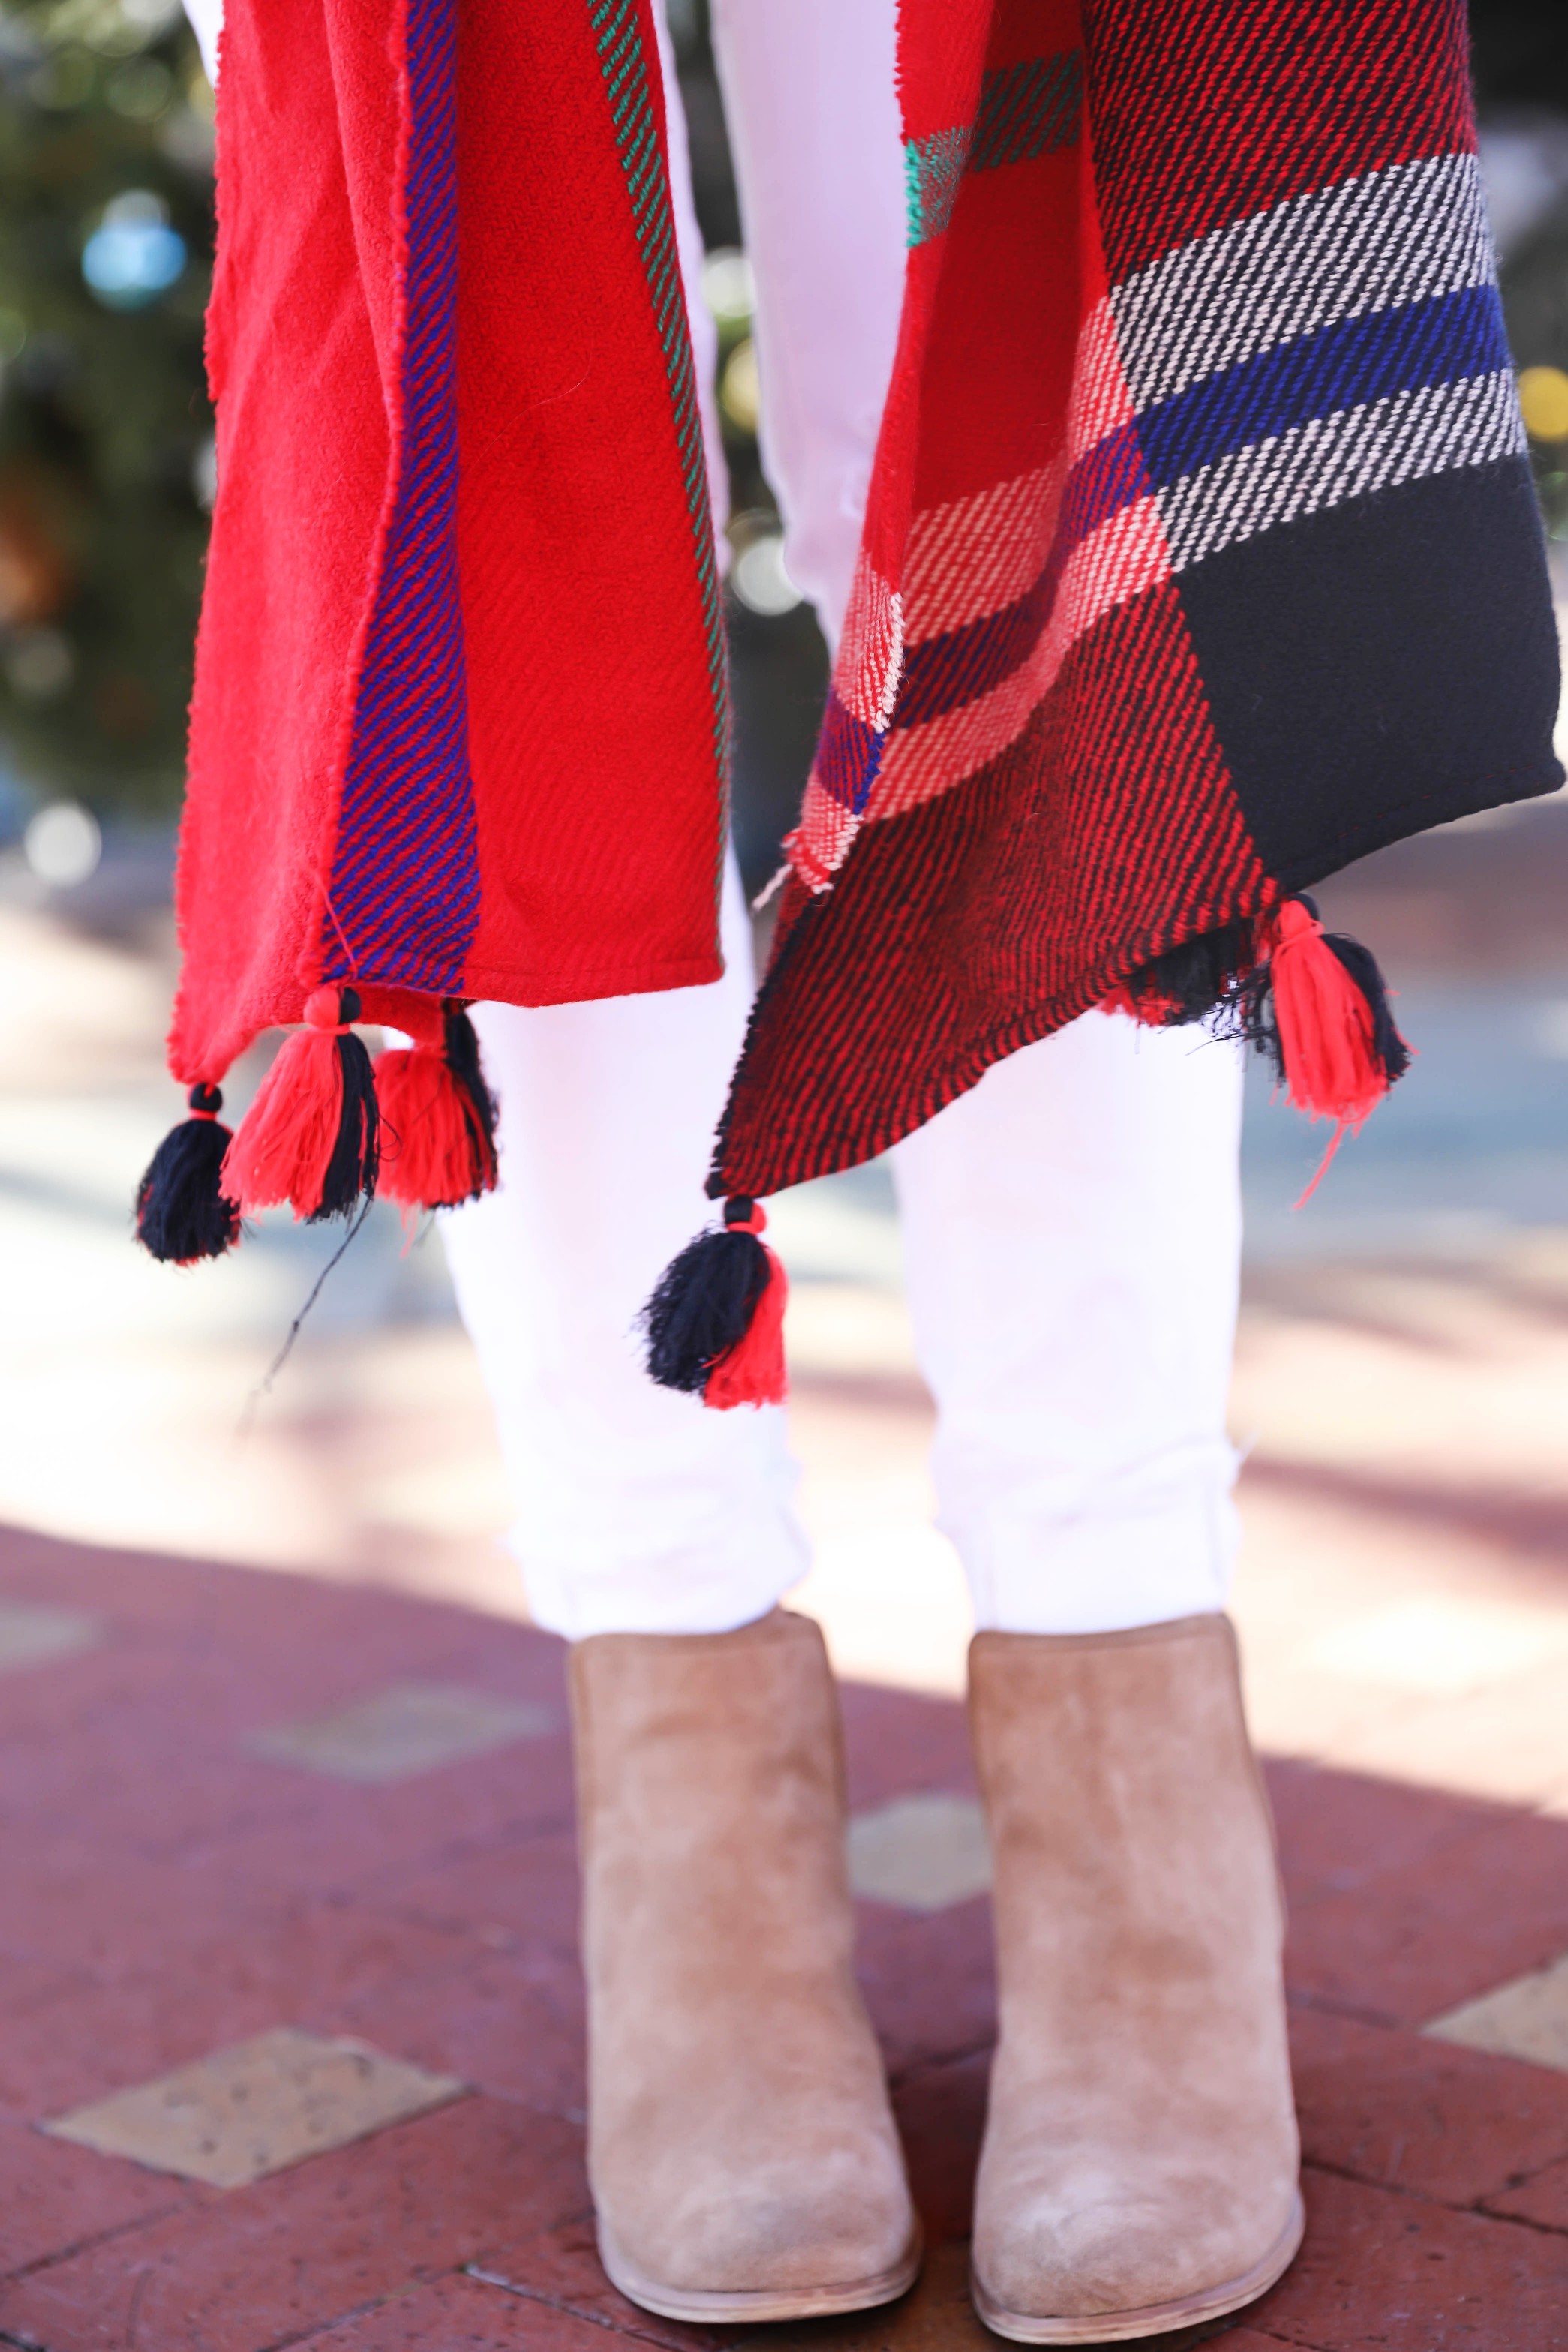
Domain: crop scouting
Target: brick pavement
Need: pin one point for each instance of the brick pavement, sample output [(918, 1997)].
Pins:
[(174, 1882)]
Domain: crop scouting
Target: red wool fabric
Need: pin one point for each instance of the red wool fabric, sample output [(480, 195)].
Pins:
[(598, 800)]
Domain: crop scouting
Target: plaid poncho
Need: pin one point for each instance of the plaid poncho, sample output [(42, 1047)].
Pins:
[(1201, 555)]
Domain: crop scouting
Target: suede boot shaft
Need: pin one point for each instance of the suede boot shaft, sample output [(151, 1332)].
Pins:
[(741, 2146), (1140, 2167)]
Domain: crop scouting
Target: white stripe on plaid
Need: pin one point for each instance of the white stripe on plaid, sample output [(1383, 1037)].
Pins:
[(1126, 555), (977, 555), (1429, 430), (1387, 239), (1101, 397), (870, 656), (1390, 238), (821, 841)]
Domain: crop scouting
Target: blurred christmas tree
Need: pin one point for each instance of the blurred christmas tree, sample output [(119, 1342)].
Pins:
[(105, 432)]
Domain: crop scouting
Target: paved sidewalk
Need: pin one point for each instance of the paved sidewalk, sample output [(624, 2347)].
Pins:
[(237, 1802)]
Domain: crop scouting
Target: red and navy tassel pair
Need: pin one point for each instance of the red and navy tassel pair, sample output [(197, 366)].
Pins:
[(328, 1128), (1311, 1000), (715, 1324)]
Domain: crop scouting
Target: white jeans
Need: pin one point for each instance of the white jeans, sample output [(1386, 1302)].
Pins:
[(1071, 1225)]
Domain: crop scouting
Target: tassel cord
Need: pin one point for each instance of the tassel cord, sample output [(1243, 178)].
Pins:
[(263, 1388)]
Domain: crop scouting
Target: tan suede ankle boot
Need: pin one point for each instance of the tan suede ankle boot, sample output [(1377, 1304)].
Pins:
[(1140, 2168), (741, 2147)]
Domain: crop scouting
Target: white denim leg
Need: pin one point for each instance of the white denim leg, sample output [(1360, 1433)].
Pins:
[(699, 317), (1072, 1233), (637, 1510), (813, 112), (206, 23)]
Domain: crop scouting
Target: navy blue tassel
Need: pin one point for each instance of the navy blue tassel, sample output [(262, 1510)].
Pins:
[(356, 1163), (181, 1215), (706, 1301)]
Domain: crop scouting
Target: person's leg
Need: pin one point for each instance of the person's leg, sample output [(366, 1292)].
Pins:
[(812, 104), (1073, 1229), (637, 1511), (741, 2151)]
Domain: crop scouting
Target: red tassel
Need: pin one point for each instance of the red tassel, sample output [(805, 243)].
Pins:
[(310, 1136), (753, 1371), (439, 1141), (1313, 1001), (1329, 1043)]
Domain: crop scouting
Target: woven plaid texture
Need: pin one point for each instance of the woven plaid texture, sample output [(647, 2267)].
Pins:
[(1212, 566), (404, 896)]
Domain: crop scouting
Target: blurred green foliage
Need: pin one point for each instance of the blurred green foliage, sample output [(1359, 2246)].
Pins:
[(105, 432)]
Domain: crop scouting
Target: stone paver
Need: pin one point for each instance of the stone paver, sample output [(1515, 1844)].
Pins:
[(921, 1853), (312, 2245), (30, 1633), (54, 2199), (408, 1728), (1380, 2272), (1527, 2019), (1542, 2200), (559, 2269), (930, 1979), (461, 2315), (1401, 2112), (237, 2114), (1429, 1934)]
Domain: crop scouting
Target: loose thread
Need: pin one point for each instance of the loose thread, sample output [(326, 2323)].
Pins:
[(264, 1388)]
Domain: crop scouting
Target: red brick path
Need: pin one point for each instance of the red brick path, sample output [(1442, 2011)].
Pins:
[(163, 1894)]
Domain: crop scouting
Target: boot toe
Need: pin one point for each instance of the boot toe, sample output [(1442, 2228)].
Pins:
[(773, 2229), (1191, 2241)]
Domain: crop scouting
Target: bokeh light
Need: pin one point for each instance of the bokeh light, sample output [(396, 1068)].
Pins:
[(729, 288), (1543, 398), (760, 579), (740, 389), (203, 474), (62, 844), (39, 664), (134, 255)]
